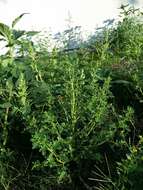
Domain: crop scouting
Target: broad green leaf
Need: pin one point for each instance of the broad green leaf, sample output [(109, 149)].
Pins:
[(17, 19)]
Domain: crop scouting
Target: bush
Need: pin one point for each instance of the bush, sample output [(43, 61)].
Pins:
[(63, 112)]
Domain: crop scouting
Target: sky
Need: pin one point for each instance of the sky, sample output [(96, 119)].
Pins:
[(52, 15)]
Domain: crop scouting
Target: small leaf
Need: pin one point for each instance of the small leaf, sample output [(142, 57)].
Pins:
[(5, 105), (5, 31), (17, 19), (17, 34), (32, 33), (2, 39), (121, 82)]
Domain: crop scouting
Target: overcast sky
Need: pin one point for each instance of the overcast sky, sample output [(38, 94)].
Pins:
[(45, 14)]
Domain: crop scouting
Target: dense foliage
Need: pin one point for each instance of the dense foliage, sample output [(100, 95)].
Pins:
[(73, 119)]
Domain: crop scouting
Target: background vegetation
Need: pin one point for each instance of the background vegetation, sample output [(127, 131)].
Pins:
[(72, 118)]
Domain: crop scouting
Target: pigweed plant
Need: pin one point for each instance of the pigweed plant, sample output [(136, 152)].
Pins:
[(71, 118)]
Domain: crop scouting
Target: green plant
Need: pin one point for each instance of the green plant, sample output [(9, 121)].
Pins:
[(61, 112)]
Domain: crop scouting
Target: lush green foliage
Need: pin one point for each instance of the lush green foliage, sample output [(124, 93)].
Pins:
[(73, 119)]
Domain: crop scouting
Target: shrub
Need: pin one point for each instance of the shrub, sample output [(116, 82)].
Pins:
[(62, 112)]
